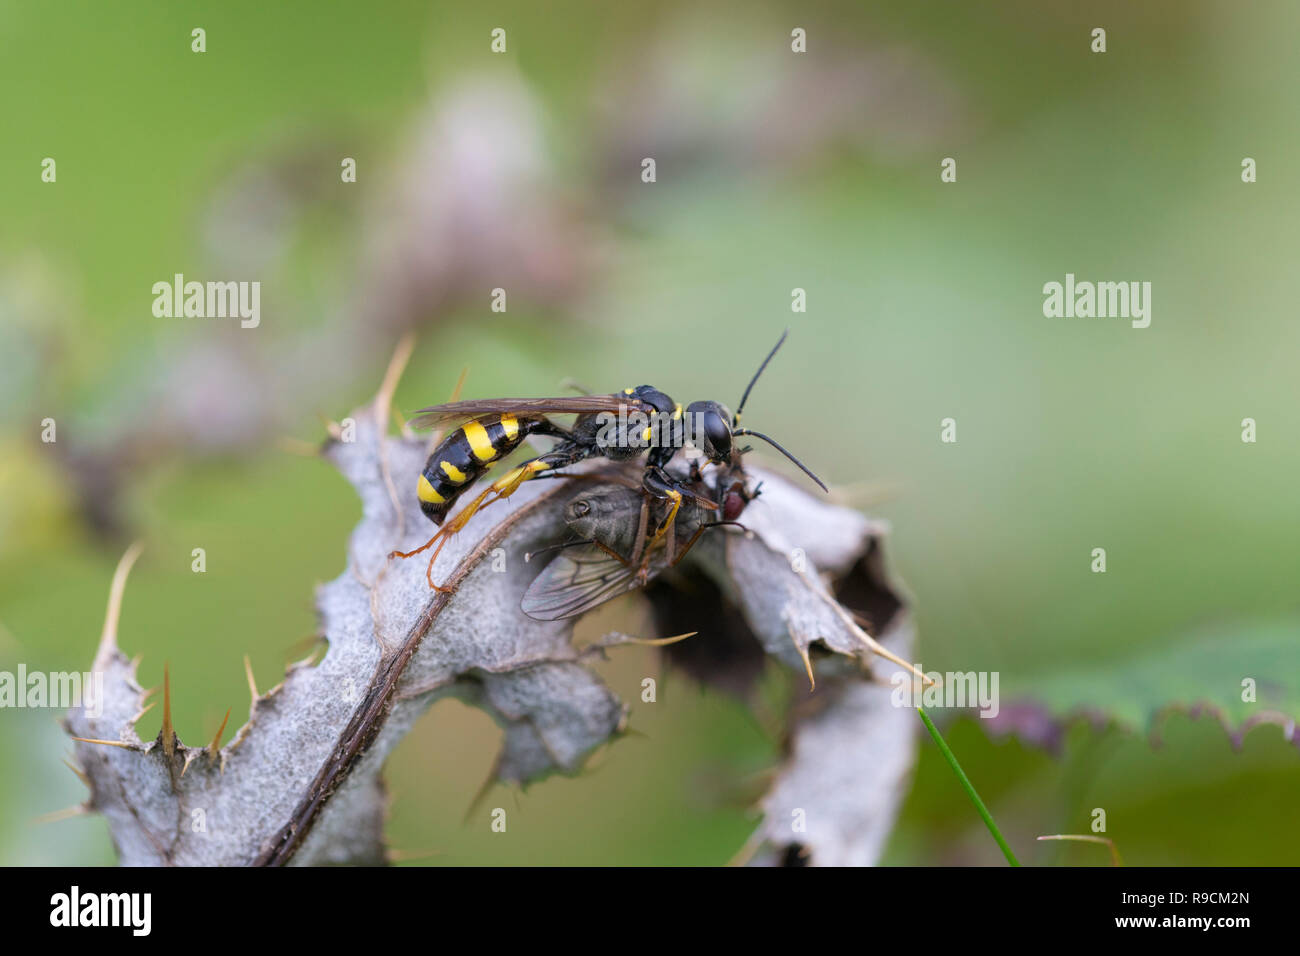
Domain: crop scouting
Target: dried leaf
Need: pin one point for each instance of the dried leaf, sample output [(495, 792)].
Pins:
[(300, 781)]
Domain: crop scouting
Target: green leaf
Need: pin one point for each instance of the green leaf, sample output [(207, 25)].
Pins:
[(1206, 671)]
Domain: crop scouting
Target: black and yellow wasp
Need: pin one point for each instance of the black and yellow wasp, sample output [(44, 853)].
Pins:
[(619, 427)]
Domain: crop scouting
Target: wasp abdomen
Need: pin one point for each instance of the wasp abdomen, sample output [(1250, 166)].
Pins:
[(463, 456)]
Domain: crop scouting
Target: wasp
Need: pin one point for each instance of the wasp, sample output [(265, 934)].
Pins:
[(614, 550), (619, 427)]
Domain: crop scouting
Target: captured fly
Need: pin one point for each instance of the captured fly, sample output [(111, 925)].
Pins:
[(622, 539)]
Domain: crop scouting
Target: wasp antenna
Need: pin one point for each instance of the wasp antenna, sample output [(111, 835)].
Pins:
[(735, 419), (777, 446)]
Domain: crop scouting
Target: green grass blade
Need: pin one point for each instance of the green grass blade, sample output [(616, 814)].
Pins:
[(968, 786)]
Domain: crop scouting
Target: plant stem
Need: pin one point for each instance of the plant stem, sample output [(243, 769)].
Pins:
[(968, 786)]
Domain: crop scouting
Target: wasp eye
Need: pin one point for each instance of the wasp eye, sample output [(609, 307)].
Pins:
[(713, 431), (718, 433)]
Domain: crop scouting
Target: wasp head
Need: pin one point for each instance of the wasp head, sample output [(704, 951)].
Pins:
[(712, 430)]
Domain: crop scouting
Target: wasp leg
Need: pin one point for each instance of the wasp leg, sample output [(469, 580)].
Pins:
[(428, 572), (440, 538), (452, 527), (410, 554), (643, 550), (670, 533), (659, 484), (503, 487), (667, 532), (666, 527), (509, 483)]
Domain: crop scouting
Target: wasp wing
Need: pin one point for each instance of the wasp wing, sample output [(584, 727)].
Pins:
[(436, 415), (577, 580)]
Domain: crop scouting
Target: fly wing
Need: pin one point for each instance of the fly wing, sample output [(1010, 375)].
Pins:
[(577, 580), (458, 412), (585, 576)]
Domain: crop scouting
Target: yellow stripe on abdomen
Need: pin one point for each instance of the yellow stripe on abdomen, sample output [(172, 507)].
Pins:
[(454, 474), (510, 425), (426, 492), (479, 442)]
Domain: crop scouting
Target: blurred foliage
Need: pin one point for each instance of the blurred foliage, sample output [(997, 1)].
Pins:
[(924, 302)]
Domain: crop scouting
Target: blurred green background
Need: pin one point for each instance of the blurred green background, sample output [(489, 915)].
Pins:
[(775, 171)]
